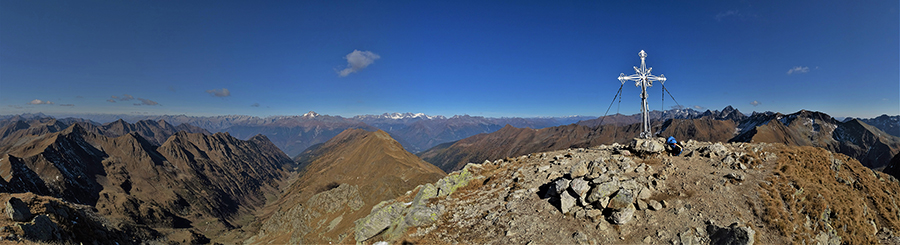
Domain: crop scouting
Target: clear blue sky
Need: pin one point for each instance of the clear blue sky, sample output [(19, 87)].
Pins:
[(488, 58)]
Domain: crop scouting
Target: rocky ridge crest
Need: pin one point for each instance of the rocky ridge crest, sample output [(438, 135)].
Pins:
[(733, 193)]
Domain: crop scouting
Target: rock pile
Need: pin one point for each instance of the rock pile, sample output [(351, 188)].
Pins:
[(612, 185)]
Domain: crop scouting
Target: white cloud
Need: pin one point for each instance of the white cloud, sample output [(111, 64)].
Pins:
[(39, 102), (219, 92), (798, 69), (111, 100), (358, 60), (755, 103), (697, 107)]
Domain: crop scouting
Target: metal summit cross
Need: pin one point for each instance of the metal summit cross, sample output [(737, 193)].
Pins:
[(644, 79)]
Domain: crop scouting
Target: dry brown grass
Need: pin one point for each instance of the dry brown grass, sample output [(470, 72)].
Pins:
[(804, 184)]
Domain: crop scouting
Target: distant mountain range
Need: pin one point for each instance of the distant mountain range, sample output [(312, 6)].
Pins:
[(870, 145), (293, 134)]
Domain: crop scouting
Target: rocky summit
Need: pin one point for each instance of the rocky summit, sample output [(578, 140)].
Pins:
[(637, 193)]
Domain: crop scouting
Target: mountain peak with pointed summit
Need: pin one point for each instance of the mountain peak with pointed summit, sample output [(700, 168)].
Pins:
[(310, 114)]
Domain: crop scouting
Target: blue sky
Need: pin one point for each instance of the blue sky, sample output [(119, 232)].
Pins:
[(486, 58)]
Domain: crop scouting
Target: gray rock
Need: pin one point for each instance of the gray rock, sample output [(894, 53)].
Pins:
[(17, 210), (426, 192), (455, 180), (420, 215), (561, 185), (379, 219), (645, 194), (566, 202), (716, 149), (543, 168), (731, 235), (621, 200), (601, 191), (580, 186), (641, 204), (655, 205), (623, 215), (578, 170), (647, 146)]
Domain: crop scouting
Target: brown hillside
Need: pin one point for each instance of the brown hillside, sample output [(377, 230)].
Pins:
[(345, 178), (510, 141), (194, 183)]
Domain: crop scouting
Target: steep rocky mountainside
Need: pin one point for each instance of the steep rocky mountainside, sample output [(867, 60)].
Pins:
[(17, 130), (888, 124), (191, 182), (31, 217), (341, 181), (714, 193), (869, 145)]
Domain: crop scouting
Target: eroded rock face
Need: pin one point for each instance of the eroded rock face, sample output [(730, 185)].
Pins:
[(17, 210)]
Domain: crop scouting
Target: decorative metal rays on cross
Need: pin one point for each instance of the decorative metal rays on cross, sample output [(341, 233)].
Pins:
[(644, 79)]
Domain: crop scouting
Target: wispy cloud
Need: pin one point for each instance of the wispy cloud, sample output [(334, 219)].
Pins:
[(146, 102), (736, 14), (697, 107), (111, 100), (125, 97), (798, 69), (219, 92), (726, 14), (255, 105), (755, 103), (66, 104), (171, 88), (39, 102), (358, 60)]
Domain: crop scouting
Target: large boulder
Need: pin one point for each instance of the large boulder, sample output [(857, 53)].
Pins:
[(578, 170), (622, 215), (17, 210), (378, 220), (602, 190), (580, 186), (561, 185), (566, 202), (623, 199), (647, 146)]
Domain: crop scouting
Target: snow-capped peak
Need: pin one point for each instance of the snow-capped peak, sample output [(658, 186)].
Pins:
[(311, 114), (401, 116)]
